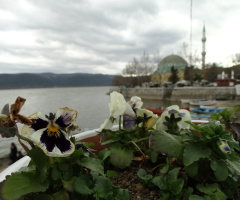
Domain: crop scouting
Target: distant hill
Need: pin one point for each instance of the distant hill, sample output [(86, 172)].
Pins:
[(46, 80)]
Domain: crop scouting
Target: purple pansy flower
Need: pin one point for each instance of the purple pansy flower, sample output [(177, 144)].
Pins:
[(49, 132), (223, 145)]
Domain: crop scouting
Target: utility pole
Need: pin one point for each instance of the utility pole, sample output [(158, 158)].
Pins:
[(190, 57), (203, 47)]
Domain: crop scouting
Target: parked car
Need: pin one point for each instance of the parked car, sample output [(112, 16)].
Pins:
[(183, 83)]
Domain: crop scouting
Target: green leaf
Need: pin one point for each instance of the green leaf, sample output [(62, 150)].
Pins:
[(154, 156), (60, 195), (19, 184), (220, 195), (192, 169), (165, 169), (68, 185), (121, 194), (142, 174), (83, 185), (77, 153), (104, 154), (163, 142), (196, 197), (41, 161), (220, 169), (173, 174), (92, 164), (111, 140), (68, 174), (120, 157), (111, 173), (193, 152), (207, 188), (56, 173), (235, 164), (176, 186), (161, 182), (44, 197), (63, 166), (103, 185)]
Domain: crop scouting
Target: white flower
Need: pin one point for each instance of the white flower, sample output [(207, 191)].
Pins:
[(117, 106), (174, 109), (107, 124), (135, 102), (147, 117)]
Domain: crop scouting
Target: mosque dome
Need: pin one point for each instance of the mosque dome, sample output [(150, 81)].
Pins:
[(172, 60)]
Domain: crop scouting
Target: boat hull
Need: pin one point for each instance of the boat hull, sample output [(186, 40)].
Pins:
[(159, 111)]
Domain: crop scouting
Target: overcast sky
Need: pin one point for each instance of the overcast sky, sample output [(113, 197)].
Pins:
[(102, 36)]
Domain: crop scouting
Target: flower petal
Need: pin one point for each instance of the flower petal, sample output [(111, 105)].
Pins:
[(117, 105), (129, 111), (140, 112), (223, 145), (129, 122), (40, 123), (136, 101), (187, 117), (107, 124), (173, 107), (48, 141), (56, 146), (151, 122), (16, 107), (65, 117)]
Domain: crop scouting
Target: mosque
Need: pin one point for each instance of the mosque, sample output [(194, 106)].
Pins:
[(163, 71)]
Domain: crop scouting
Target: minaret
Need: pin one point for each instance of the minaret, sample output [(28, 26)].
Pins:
[(203, 47)]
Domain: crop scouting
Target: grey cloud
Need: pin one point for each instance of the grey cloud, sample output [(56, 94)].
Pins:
[(96, 28)]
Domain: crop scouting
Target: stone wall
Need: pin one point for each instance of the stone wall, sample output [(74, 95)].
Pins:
[(177, 93)]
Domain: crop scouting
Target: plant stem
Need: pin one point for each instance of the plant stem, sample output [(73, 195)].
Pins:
[(137, 148), (23, 138), (23, 145), (156, 167), (120, 122), (141, 140)]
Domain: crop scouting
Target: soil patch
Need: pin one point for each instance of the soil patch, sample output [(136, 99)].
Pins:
[(128, 179)]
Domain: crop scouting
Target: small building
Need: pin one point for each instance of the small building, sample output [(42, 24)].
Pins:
[(163, 71), (226, 82)]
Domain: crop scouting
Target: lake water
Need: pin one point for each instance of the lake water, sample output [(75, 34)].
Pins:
[(90, 102)]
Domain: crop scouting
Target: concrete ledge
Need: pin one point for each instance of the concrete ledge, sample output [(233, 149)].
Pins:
[(178, 93)]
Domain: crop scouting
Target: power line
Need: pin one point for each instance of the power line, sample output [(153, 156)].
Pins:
[(190, 59)]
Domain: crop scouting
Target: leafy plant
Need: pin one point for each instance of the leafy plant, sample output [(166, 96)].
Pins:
[(210, 156), (188, 161), (131, 141), (60, 167), (227, 117)]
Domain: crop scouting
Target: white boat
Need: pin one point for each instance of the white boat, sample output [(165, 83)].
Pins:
[(189, 100), (218, 107), (205, 110), (200, 116), (203, 102)]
